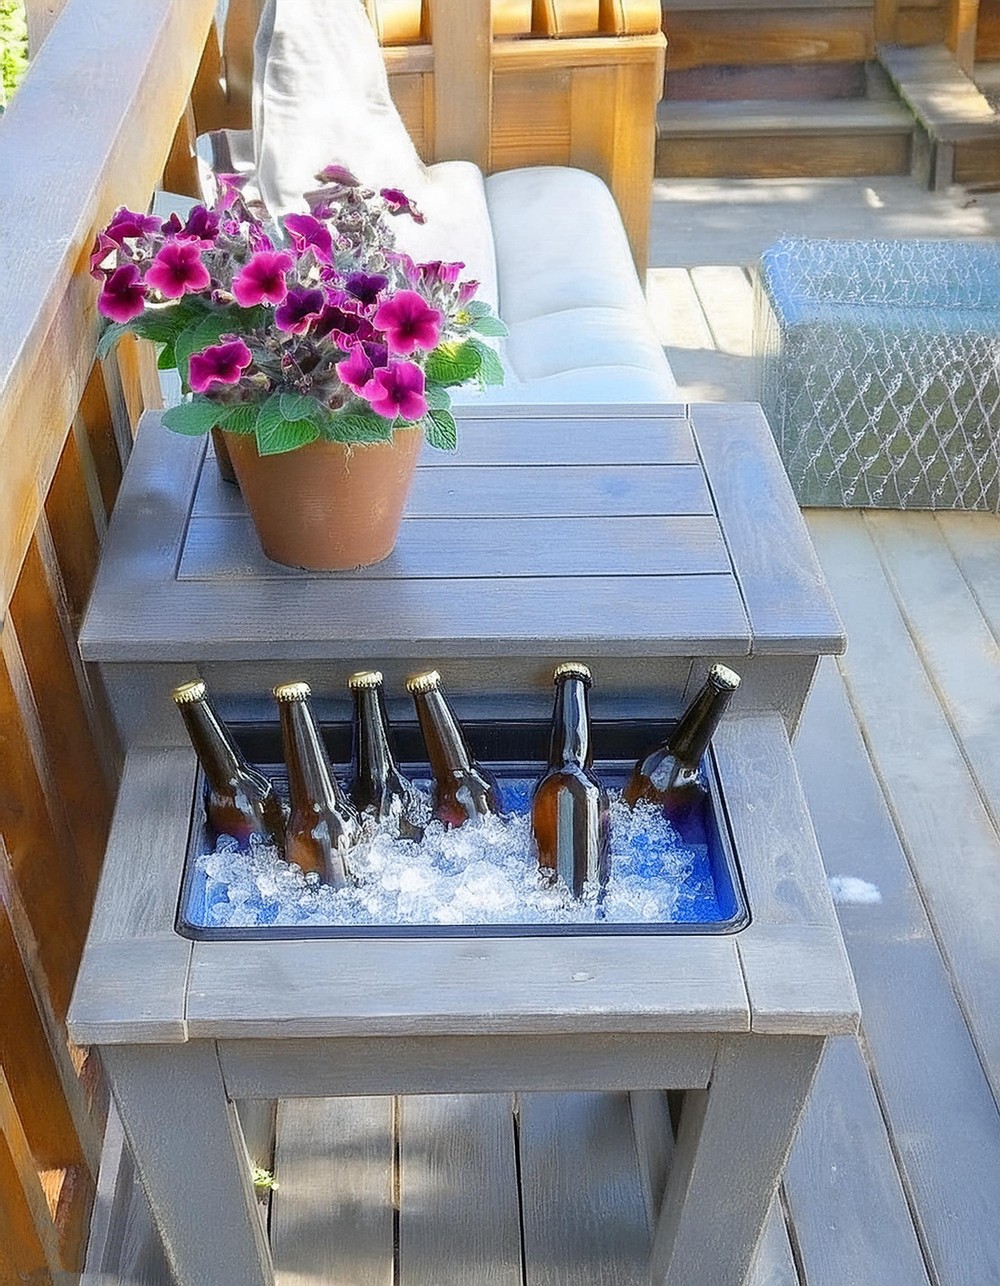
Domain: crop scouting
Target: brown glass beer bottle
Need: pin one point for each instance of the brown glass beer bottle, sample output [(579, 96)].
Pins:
[(323, 825), (239, 800), (463, 790), (670, 774), (376, 783), (569, 809)]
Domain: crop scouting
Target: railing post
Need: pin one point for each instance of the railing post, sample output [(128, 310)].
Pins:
[(41, 14), (462, 34)]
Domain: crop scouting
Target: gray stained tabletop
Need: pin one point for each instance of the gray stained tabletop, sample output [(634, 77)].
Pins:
[(644, 531)]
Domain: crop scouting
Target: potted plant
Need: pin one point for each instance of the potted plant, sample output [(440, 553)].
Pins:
[(322, 353)]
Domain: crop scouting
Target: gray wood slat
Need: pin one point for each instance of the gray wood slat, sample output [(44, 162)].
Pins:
[(797, 974), (465, 986), (774, 1264), (462, 1064), (787, 599), (583, 1211), (956, 645), (947, 832), (458, 1210), (452, 548), (654, 1145), (942, 1119), (134, 968), (528, 491), (123, 1248), (852, 1224), (332, 1212), (972, 539), (618, 616)]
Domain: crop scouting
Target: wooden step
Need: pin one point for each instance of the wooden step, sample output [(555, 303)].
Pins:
[(961, 130), (781, 139)]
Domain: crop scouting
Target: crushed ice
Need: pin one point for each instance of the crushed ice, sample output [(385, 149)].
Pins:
[(477, 874)]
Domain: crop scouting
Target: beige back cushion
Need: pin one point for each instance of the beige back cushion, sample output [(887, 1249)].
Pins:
[(321, 96)]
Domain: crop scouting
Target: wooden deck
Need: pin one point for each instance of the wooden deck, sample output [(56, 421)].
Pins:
[(895, 1177)]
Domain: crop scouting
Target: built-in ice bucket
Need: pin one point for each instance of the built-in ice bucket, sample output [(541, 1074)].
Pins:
[(711, 897)]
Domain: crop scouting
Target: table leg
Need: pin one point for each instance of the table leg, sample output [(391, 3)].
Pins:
[(732, 1144), (188, 1147)]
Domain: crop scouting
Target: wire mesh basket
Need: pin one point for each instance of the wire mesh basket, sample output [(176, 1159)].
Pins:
[(880, 370)]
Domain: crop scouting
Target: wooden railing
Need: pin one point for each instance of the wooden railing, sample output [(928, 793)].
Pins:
[(108, 111)]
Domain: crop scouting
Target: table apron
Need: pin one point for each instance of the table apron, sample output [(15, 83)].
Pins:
[(329, 1067)]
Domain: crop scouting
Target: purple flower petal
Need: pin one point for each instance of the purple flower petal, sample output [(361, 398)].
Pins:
[(124, 295), (218, 364), (129, 223), (409, 322), (202, 225), (178, 270), (299, 307), (338, 174), (263, 279), (399, 203), (366, 287), (307, 231)]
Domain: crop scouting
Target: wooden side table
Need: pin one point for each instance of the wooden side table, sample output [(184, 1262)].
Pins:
[(698, 552)]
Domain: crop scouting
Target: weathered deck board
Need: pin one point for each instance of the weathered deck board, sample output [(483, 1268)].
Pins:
[(331, 1214), (458, 1207), (583, 1210), (945, 828)]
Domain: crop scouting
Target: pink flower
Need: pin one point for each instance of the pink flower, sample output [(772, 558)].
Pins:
[(123, 296), (218, 364), (263, 278), (466, 290), (230, 187), (409, 322), (397, 390), (308, 232), (357, 369), (202, 225), (178, 269)]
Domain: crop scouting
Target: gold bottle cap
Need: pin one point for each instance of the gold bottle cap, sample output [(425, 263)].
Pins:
[(193, 691), (365, 679), (292, 691), (425, 682), (723, 677), (576, 668)]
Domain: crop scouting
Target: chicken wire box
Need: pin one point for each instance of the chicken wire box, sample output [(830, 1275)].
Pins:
[(879, 370)]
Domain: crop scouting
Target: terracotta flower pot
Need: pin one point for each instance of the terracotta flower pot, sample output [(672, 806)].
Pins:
[(225, 466), (327, 506)]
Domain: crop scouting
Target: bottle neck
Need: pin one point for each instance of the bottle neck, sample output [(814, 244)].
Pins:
[(310, 780), (446, 748), (698, 723), (217, 753), (570, 741), (372, 752)]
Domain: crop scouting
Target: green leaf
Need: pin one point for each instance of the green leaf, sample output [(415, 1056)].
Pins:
[(453, 363), (110, 336), (277, 435), (193, 419), (296, 407), (437, 397), (478, 308), (489, 325), (440, 430), (358, 423), (163, 325), (491, 371), (241, 418), (166, 359)]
